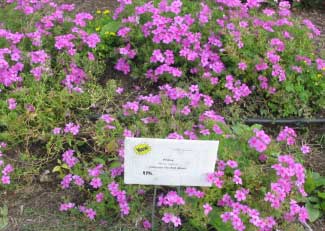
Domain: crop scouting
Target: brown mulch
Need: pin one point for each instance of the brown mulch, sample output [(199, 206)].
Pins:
[(92, 5)]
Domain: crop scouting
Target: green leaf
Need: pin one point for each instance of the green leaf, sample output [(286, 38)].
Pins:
[(313, 213), (4, 217), (313, 199), (316, 175), (240, 129), (217, 223), (4, 211), (57, 169), (99, 160), (310, 184), (65, 166), (321, 195), (320, 181), (112, 146), (115, 164), (111, 27), (289, 87), (322, 206)]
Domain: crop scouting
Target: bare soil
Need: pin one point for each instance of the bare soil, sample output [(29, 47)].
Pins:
[(92, 5)]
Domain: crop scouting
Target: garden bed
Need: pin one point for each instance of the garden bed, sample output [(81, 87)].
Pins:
[(34, 203)]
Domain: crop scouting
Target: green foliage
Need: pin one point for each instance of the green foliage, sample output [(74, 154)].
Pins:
[(256, 176), (107, 28), (315, 187), (309, 4), (301, 94), (4, 221)]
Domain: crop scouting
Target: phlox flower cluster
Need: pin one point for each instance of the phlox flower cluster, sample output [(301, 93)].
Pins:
[(93, 173), (241, 194), (71, 128), (170, 199), (205, 14), (320, 64), (81, 18), (239, 210), (31, 6), (171, 218), (193, 99), (207, 209), (291, 175), (288, 135), (264, 84), (100, 197), (146, 225), (75, 78), (68, 179), (193, 192), (305, 149), (238, 89), (89, 212), (12, 62), (118, 171), (5, 169), (177, 33), (260, 141), (12, 104), (218, 177), (69, 159), (295, 212), (108, 120), (314, 30), (120, 196), (95, 182), (96, 171), (66, 206)]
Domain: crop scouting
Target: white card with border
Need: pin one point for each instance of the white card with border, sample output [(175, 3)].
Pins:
[(169, 162)]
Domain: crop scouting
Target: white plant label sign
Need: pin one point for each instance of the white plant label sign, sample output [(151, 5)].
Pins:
[(169, 162)]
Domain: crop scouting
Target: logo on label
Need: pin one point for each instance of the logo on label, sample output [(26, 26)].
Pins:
[(142, 149)]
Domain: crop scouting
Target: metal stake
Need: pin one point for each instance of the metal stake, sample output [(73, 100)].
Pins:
[(178, 192), (153, 208)]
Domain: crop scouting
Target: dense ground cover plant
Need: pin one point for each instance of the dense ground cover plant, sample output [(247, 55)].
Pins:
[(232, 50), (246, 155), (49, 92), (45, 60)]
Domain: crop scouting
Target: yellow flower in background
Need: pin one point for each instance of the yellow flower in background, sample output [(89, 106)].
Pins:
[(106, 12), (97, 28), (112, 33), (98, 12), (319, 75)]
